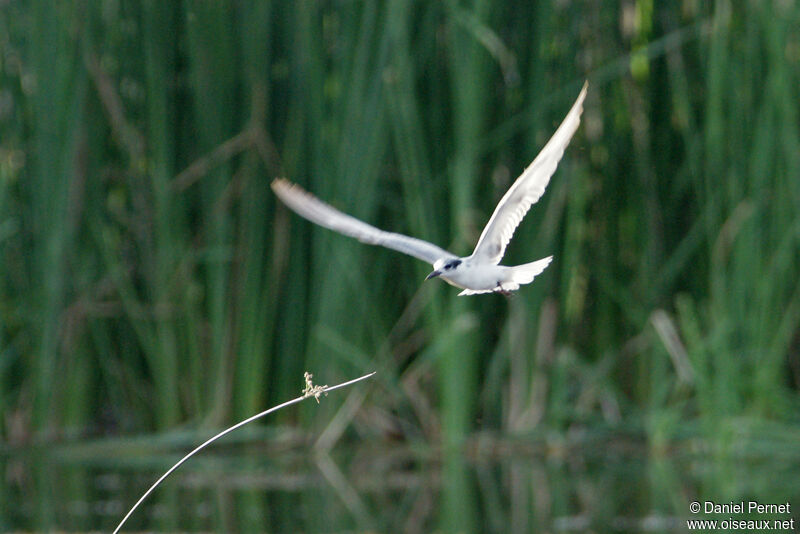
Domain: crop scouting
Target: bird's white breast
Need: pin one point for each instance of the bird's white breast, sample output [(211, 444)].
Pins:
[(477, 277)]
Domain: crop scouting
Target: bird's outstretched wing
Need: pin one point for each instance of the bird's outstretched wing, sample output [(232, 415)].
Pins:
[(527, 189), (316, 211)]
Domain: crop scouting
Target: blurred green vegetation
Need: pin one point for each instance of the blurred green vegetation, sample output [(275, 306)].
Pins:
[(150, 279)]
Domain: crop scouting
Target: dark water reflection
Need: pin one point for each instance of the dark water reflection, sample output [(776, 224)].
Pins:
[(610, 484)]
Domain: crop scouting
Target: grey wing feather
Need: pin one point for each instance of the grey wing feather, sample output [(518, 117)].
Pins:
[(307, 205), (527, 189)]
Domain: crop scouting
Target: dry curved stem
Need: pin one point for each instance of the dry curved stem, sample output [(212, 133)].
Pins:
[(310, 390)]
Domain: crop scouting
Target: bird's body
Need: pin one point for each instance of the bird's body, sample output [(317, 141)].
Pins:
[(476, 277), (481, 271)]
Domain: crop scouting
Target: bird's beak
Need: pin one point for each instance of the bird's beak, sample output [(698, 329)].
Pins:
[(434, 274)]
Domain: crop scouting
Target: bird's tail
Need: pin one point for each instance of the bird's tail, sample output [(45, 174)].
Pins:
[(525, 273)]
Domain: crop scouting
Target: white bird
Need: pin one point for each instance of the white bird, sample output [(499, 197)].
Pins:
[(480, 272)]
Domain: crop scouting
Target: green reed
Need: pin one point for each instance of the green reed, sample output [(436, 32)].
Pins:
[(151, 276)]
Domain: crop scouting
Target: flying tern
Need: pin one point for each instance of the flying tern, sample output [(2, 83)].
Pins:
[(480, 272)]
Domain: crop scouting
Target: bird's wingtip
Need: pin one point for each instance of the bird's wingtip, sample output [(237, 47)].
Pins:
[(283, 187), (584, 89)]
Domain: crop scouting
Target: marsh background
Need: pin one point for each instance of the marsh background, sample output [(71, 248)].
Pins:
[(152, 290)]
